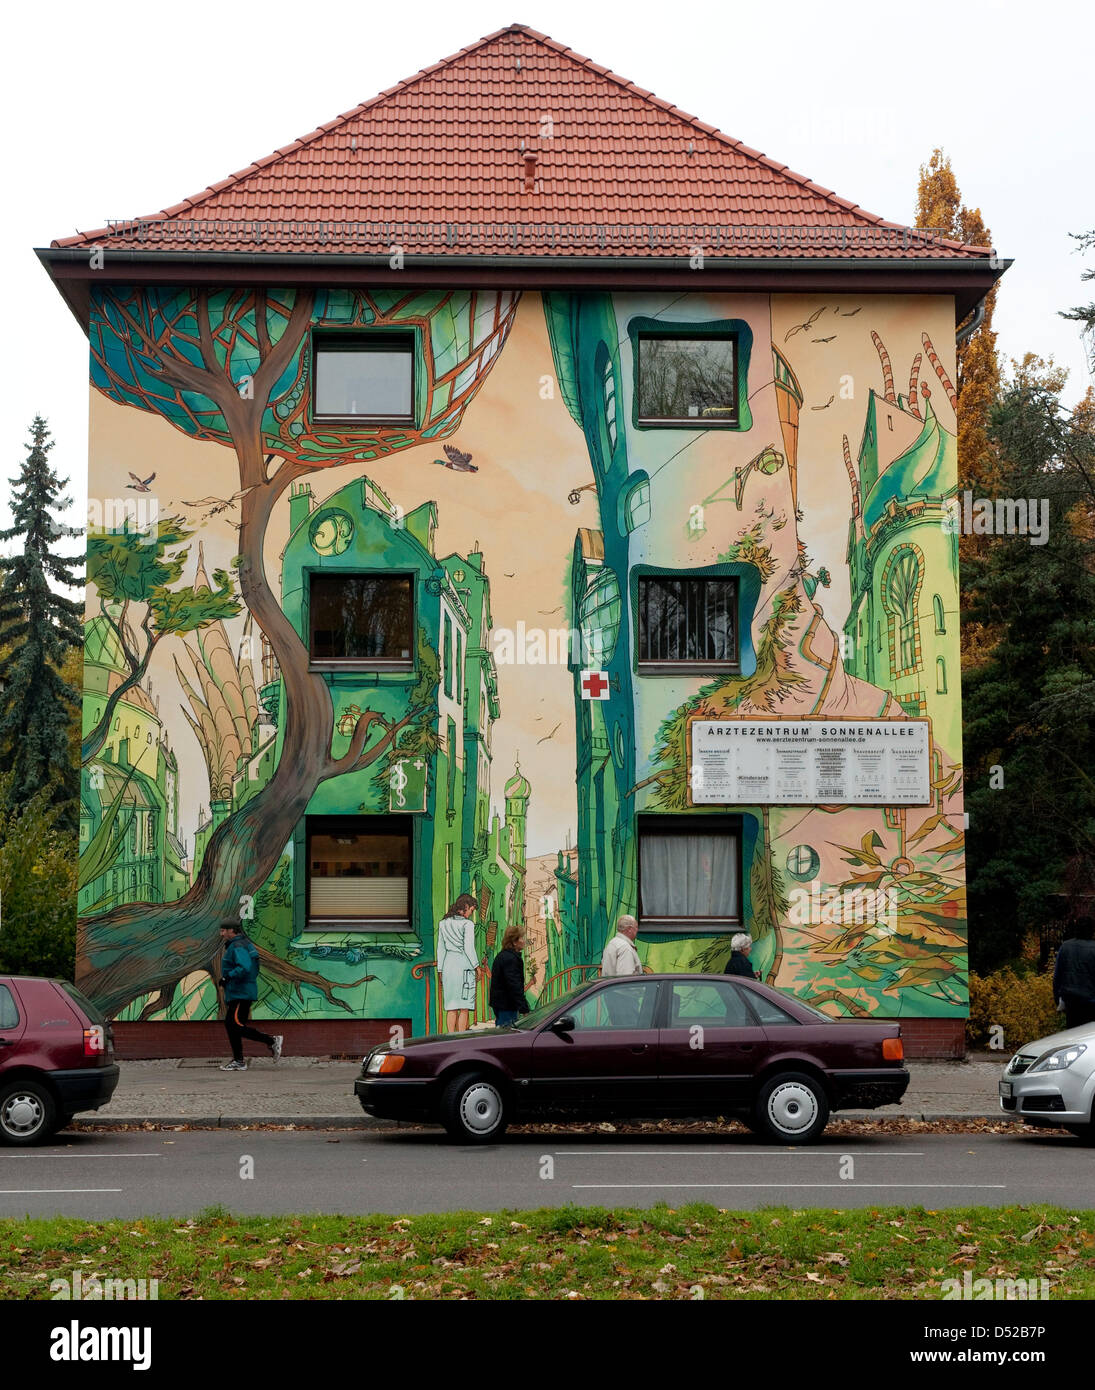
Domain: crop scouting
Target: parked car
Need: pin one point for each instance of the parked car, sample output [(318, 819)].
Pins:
[(1051, 1083), (645, 1046), (56, 1057)]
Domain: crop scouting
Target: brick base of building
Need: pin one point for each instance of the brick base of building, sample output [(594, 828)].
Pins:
[(336, 1037), (934, 1039), (938, 1038)]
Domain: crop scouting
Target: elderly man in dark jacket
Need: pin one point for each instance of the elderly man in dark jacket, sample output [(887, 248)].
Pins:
[(1074, 975)]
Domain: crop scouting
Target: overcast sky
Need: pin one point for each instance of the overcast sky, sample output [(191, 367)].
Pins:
[(125, 110)]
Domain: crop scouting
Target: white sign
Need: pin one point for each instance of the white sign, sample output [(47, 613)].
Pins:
[(594, 685), (817, 761)]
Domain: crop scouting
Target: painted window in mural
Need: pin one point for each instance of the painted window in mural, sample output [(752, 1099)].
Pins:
[(637, 502), (904, 582), (600, 618), (366, 618), (803, 862), (359, 872), (691, 380), (610, 404), (689, 873), (686, 619), (364, 376), (940, 621)]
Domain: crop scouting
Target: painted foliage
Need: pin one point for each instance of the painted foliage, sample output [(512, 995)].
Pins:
[(523, 509)]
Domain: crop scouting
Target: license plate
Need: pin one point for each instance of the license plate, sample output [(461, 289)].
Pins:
[(1005, 1088)]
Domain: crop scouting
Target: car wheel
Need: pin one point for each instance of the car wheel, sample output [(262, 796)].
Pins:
[(473, 1109), (28, 1113), (792, 1108)]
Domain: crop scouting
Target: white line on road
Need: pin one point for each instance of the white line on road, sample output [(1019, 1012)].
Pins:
[(47, 1191), (738, 1153), (848, 1185)]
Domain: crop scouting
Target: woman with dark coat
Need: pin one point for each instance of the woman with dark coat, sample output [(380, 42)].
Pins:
[(738, 964), (507, 980)]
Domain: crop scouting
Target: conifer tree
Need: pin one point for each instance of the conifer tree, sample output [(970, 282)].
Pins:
[(39, 626)]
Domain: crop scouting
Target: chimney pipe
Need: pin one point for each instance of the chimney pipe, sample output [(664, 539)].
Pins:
[(530, 172)]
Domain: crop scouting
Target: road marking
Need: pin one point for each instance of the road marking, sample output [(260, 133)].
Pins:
[(47, 1191), (738, 1153), (848, 1185), (107, 1155)]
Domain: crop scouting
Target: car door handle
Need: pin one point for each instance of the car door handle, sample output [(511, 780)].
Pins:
[(7, 1042), (640, 1047)]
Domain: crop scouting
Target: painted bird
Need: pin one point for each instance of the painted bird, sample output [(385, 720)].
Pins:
[(137, 485), (456, 459)]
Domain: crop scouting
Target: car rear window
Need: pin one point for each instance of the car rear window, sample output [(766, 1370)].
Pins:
[(93, 1012), (768, 1011)]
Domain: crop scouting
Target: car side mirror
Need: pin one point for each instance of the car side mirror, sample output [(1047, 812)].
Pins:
[(565, 1024)]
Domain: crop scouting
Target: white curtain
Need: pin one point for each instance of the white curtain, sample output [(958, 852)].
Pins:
[(690, 876)]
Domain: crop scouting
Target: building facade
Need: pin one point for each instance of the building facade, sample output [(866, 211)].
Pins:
[(628, 591)]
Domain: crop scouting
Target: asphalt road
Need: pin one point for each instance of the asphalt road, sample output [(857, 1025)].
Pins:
[(100, 1175)]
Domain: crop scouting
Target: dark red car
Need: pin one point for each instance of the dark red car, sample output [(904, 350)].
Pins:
[(56, 1057), (646, 1046)]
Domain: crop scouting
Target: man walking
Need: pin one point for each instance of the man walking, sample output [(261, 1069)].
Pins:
[(620, 956), (1074, 974), (239, 976)]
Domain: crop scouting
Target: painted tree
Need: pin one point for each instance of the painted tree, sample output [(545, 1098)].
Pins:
[(39, 626), (232, 367), (129, 569)]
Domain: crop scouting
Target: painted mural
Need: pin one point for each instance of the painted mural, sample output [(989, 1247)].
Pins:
[(523, 508)]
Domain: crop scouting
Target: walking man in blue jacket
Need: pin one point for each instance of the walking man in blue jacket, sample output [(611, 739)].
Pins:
[(239, 976)]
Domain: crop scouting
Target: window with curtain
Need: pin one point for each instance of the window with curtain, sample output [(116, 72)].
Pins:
[(359, 872), (689, 872)]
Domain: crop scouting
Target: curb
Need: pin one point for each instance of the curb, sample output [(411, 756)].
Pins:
[(364, 1121)]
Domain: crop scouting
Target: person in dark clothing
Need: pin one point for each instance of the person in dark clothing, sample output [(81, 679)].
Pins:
[(239, 976), (507, 980), (738, 964), (1074, 974)]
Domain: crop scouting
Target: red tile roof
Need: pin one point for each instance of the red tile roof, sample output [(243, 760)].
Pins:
[(440, 164)]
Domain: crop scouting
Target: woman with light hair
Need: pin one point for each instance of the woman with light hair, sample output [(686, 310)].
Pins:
[(738, 964)]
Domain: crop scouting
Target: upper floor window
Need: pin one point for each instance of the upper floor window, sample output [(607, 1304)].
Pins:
[(364, 377), (688, 620), (362, 618), (688, 379)]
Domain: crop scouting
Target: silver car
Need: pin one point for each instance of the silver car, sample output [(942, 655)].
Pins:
[(1051, 1082)]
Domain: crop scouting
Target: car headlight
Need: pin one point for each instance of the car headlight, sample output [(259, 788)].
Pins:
[(1060, 1058), (384, 1063)]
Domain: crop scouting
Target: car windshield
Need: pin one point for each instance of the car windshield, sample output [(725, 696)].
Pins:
[(541, 1012)]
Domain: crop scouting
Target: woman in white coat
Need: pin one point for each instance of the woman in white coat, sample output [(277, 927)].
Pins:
[(456, 962)]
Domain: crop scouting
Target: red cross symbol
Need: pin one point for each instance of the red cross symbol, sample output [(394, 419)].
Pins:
[(594, 685)]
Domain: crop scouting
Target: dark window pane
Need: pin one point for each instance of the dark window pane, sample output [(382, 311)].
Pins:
[(361, 617), (688, 620), (687, 874), (710, 1003), (358, 875), (770, 1012), (9, 1014), (688, 379), (374, 382)]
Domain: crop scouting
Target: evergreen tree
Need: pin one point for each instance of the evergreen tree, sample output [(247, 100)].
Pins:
[(1085, 313), (1029, 708), (38, 628)]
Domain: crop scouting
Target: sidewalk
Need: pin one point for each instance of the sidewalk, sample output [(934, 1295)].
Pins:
[(313, 1091)]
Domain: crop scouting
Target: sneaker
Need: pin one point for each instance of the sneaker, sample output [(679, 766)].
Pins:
[(234, 1066), (275, 1046)]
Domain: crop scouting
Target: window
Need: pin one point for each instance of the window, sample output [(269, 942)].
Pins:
[(619, 1006), (364, 618), (364, 376), (359, 872), (712, 1004), (940, 623), (688, 620), (689, 871), (688, 379), (637, 502), (9, 1014), (940, 676), (902, 589), (610, 404), (803, 862), (447, 649), (768, 1011)]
